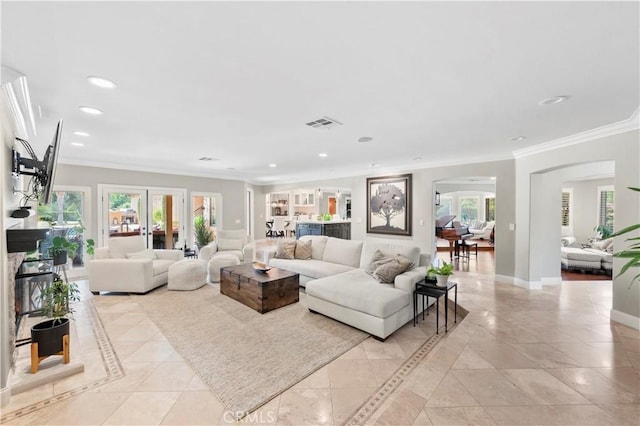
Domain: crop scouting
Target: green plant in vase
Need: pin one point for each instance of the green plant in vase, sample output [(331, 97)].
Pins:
[(441, 272)]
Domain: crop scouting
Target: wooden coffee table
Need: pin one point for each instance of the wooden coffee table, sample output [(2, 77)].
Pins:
[(262, 291)]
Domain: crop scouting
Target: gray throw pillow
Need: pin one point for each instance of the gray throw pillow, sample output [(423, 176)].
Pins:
[(286, 250), (378, 259), (388, 272)]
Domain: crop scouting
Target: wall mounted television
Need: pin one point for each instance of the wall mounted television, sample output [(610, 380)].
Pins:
[(43, 172)]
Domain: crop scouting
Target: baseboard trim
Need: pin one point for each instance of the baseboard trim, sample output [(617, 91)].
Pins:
[(530, 285), (5, 396), (626, 319), (504, 279), (551, 280)]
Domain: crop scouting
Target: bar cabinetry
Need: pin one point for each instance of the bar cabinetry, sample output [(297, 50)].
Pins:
[(330, 229)]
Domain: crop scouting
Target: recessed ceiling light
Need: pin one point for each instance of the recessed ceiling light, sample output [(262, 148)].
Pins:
[(323, 154), (91, 110), (554, 100), (518, 138), (231, 168), (365, 139), (208, 159), (101, 82), (374, 165), (417, 158), (273, 165), (85, 134), (77, 144)]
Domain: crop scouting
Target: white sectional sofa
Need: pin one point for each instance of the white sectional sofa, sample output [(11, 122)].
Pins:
[(597, 257), (126, 265), (338, 285)]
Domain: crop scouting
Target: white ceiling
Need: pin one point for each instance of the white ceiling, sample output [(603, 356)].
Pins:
[(445, 82)]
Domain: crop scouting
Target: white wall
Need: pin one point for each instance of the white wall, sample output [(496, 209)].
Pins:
[(233, 192), (8, 203), (624, 150)]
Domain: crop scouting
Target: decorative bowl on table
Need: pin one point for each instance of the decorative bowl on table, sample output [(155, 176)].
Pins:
[(261, 267)]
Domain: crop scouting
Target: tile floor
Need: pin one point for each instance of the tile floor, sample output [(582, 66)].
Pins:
[(520, 357)]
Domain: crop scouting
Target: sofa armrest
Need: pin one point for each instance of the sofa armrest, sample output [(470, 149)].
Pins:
[(249, 252), (118, 274), (169, 254), (207, 252), (407, 280), (101, 253)]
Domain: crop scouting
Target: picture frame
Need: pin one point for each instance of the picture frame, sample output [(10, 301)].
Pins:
[(389, 203)]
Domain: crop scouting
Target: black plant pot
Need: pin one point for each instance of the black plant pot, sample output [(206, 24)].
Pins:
[(60, 258), (48, 335)]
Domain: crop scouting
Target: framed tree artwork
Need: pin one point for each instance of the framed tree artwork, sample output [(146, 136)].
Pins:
[(389, 205)]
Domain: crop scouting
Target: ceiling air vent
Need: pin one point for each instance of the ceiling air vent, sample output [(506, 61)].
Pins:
[(324, 123)]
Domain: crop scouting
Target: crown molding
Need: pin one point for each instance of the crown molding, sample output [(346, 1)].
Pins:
[(631, 123)]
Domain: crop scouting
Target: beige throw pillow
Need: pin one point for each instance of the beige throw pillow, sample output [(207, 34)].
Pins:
[(142, 254), (388, 272), (286, 250), (303, 250)]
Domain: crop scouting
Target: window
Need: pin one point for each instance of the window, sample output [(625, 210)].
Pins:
[(489, 209), (68, 214), (469, 208), (445, 208), (565, 211), (606, 205)]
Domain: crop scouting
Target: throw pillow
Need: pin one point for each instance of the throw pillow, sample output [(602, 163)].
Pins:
[(142, 254), (303, 250), (286, 250), (378, 259), (229, 244), (388, 272)]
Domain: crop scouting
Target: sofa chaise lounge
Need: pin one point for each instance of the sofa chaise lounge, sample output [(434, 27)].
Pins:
[(339, 283)]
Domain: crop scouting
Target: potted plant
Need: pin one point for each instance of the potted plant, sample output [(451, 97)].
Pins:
[(202, 232), (60, 248), (633, 251), (51, 337), (442, 273)]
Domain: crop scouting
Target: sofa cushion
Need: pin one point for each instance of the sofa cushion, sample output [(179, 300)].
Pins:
[(371, 245), (357, 290), (602, 244), (142, 254), (161, 266), (286, 250), (230, 243), (387, 272), (237, 253), (120, 246), (345, 252), (310, 268), (303, 250), (574, 253), (477, 225), (318, 244)]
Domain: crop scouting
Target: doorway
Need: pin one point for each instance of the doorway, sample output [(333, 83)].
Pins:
[(155, 213)]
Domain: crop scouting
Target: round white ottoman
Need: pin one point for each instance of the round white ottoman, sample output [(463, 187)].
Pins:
[(220, 261), (187, 274)]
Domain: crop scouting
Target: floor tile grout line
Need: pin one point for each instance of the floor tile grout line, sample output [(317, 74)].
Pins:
[(112, 365)]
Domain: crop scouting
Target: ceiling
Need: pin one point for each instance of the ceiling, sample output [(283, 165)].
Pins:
[(432, 83)]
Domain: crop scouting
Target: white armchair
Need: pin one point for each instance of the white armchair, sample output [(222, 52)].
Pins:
[(234, 242), (126, 265)]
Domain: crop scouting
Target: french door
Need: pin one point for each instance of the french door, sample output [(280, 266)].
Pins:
[(155, 213)]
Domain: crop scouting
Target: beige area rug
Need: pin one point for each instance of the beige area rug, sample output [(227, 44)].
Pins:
[(246, 358)]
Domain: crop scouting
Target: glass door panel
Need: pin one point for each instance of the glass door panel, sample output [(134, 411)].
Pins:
[(165, 209), (205, 205), (125, 211)]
